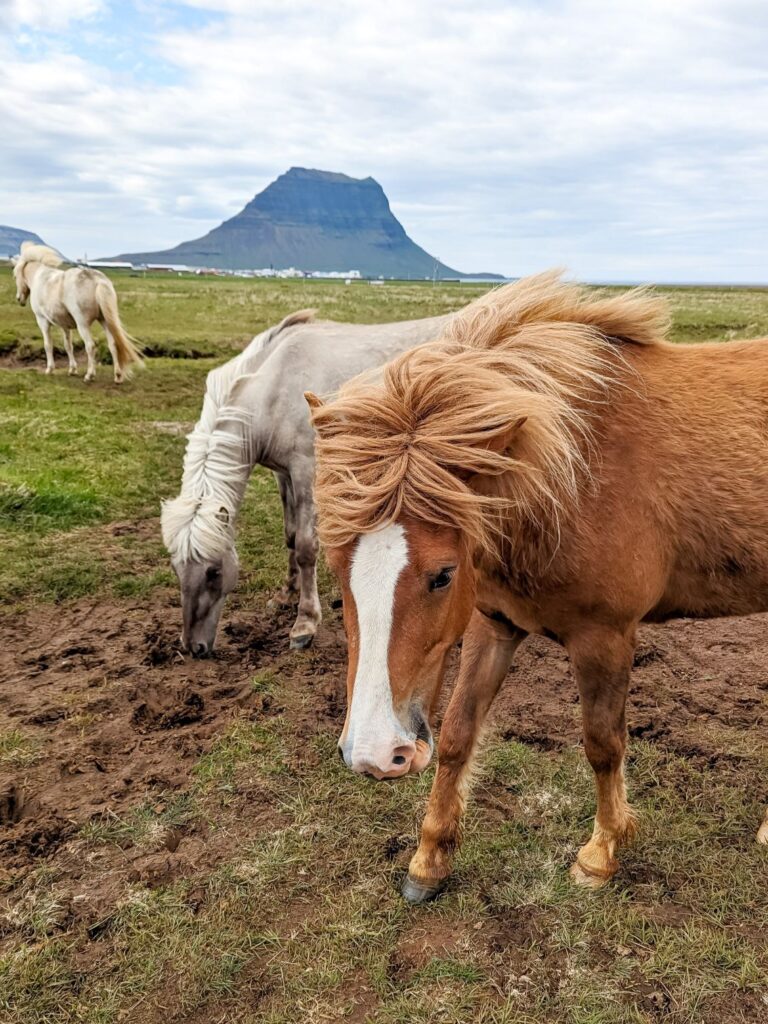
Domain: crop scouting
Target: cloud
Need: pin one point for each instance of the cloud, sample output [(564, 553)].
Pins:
[(42, 15), (624, 140)]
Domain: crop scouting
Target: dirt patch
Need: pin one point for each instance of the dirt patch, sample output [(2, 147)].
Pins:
[(116, 717), (690, 680)]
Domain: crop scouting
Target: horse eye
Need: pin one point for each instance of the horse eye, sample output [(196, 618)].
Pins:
[(443, 578), (212, 573)]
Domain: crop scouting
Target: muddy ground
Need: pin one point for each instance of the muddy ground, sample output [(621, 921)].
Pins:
[(120, 718)]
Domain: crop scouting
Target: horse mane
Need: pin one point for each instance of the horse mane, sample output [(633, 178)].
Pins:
[(199, 524), (489, 428), (34, 252)]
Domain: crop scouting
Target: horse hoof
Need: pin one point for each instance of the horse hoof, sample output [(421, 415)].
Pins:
[(762, 833), (415, 892), (588, 879), (302, 641), (72, 372)]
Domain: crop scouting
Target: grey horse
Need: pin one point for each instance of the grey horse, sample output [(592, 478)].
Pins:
[(254, 413)]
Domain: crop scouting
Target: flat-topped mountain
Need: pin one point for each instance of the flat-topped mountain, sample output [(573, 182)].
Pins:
[(11, 239), (311, 220)]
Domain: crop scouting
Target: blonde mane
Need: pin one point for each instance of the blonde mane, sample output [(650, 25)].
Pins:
[(488, 429), (33, 252), (198, 525)]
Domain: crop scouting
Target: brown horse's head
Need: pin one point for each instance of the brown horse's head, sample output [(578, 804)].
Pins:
[(408, 594)]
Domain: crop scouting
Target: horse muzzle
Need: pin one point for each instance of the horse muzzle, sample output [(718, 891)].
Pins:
[(389, 759)]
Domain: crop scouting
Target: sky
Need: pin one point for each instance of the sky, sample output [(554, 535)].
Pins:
[(625, 141)]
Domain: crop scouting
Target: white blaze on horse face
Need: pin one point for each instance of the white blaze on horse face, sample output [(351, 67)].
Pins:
[(373, 728)]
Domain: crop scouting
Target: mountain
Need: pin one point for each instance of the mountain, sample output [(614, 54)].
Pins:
[(311, 220), (11, 239)]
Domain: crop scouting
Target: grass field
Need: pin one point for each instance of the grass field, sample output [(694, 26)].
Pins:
[(297, 918)]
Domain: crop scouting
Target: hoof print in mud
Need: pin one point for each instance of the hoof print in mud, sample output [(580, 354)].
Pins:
[(170, 711), (11, 803)]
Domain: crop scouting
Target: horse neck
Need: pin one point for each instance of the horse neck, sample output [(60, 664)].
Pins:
[(37, 275), (218, 464), (30, 272)]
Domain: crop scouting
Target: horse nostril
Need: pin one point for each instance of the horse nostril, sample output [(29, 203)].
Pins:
[(398, 759), (200, 649)]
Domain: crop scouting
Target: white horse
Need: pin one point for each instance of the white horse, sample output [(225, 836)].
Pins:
[(72, 298), (254, 412)]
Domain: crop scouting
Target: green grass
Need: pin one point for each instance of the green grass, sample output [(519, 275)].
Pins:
[(17, 750), (304, 916), (298, 917)]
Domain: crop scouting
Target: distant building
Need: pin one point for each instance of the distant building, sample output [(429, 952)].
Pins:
[(108, 264), (170, 268), (353, 275)]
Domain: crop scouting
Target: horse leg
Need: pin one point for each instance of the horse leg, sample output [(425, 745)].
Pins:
[(70, 351), (83, 329), (309, 614), (114, 353), (487, 651), (290, 588), (602, 662), (45, 329), (762, 832)]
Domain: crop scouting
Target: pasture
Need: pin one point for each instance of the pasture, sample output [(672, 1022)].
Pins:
[(180, 841)]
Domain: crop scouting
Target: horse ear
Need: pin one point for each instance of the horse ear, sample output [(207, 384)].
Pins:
[(14, 260), (313, 401), (499, 444), (503, 441)]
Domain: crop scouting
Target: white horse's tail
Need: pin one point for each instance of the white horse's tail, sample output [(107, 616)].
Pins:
[(128, 350)]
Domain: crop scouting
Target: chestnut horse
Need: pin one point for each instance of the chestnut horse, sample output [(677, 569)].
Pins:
[(551, 465)]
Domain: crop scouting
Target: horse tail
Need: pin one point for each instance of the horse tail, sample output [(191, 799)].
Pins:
[(128, 350)]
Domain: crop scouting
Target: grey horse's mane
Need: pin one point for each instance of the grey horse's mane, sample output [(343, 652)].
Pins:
[(198, 525)]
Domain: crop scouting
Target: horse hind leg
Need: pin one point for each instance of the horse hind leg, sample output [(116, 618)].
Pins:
[(84, 330), (287, 593), (45, 329), (309, 613), (70, 351), (602, 663), (112, 345)]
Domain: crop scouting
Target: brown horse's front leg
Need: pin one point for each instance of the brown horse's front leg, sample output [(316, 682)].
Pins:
[(487, 653), (602, 662)]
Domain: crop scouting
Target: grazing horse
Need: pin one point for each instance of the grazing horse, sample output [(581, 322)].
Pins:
[(254, 413), (72, 298), (550, 465)]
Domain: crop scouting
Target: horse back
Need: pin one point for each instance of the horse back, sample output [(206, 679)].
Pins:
[(66, 296), (675, 521)]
